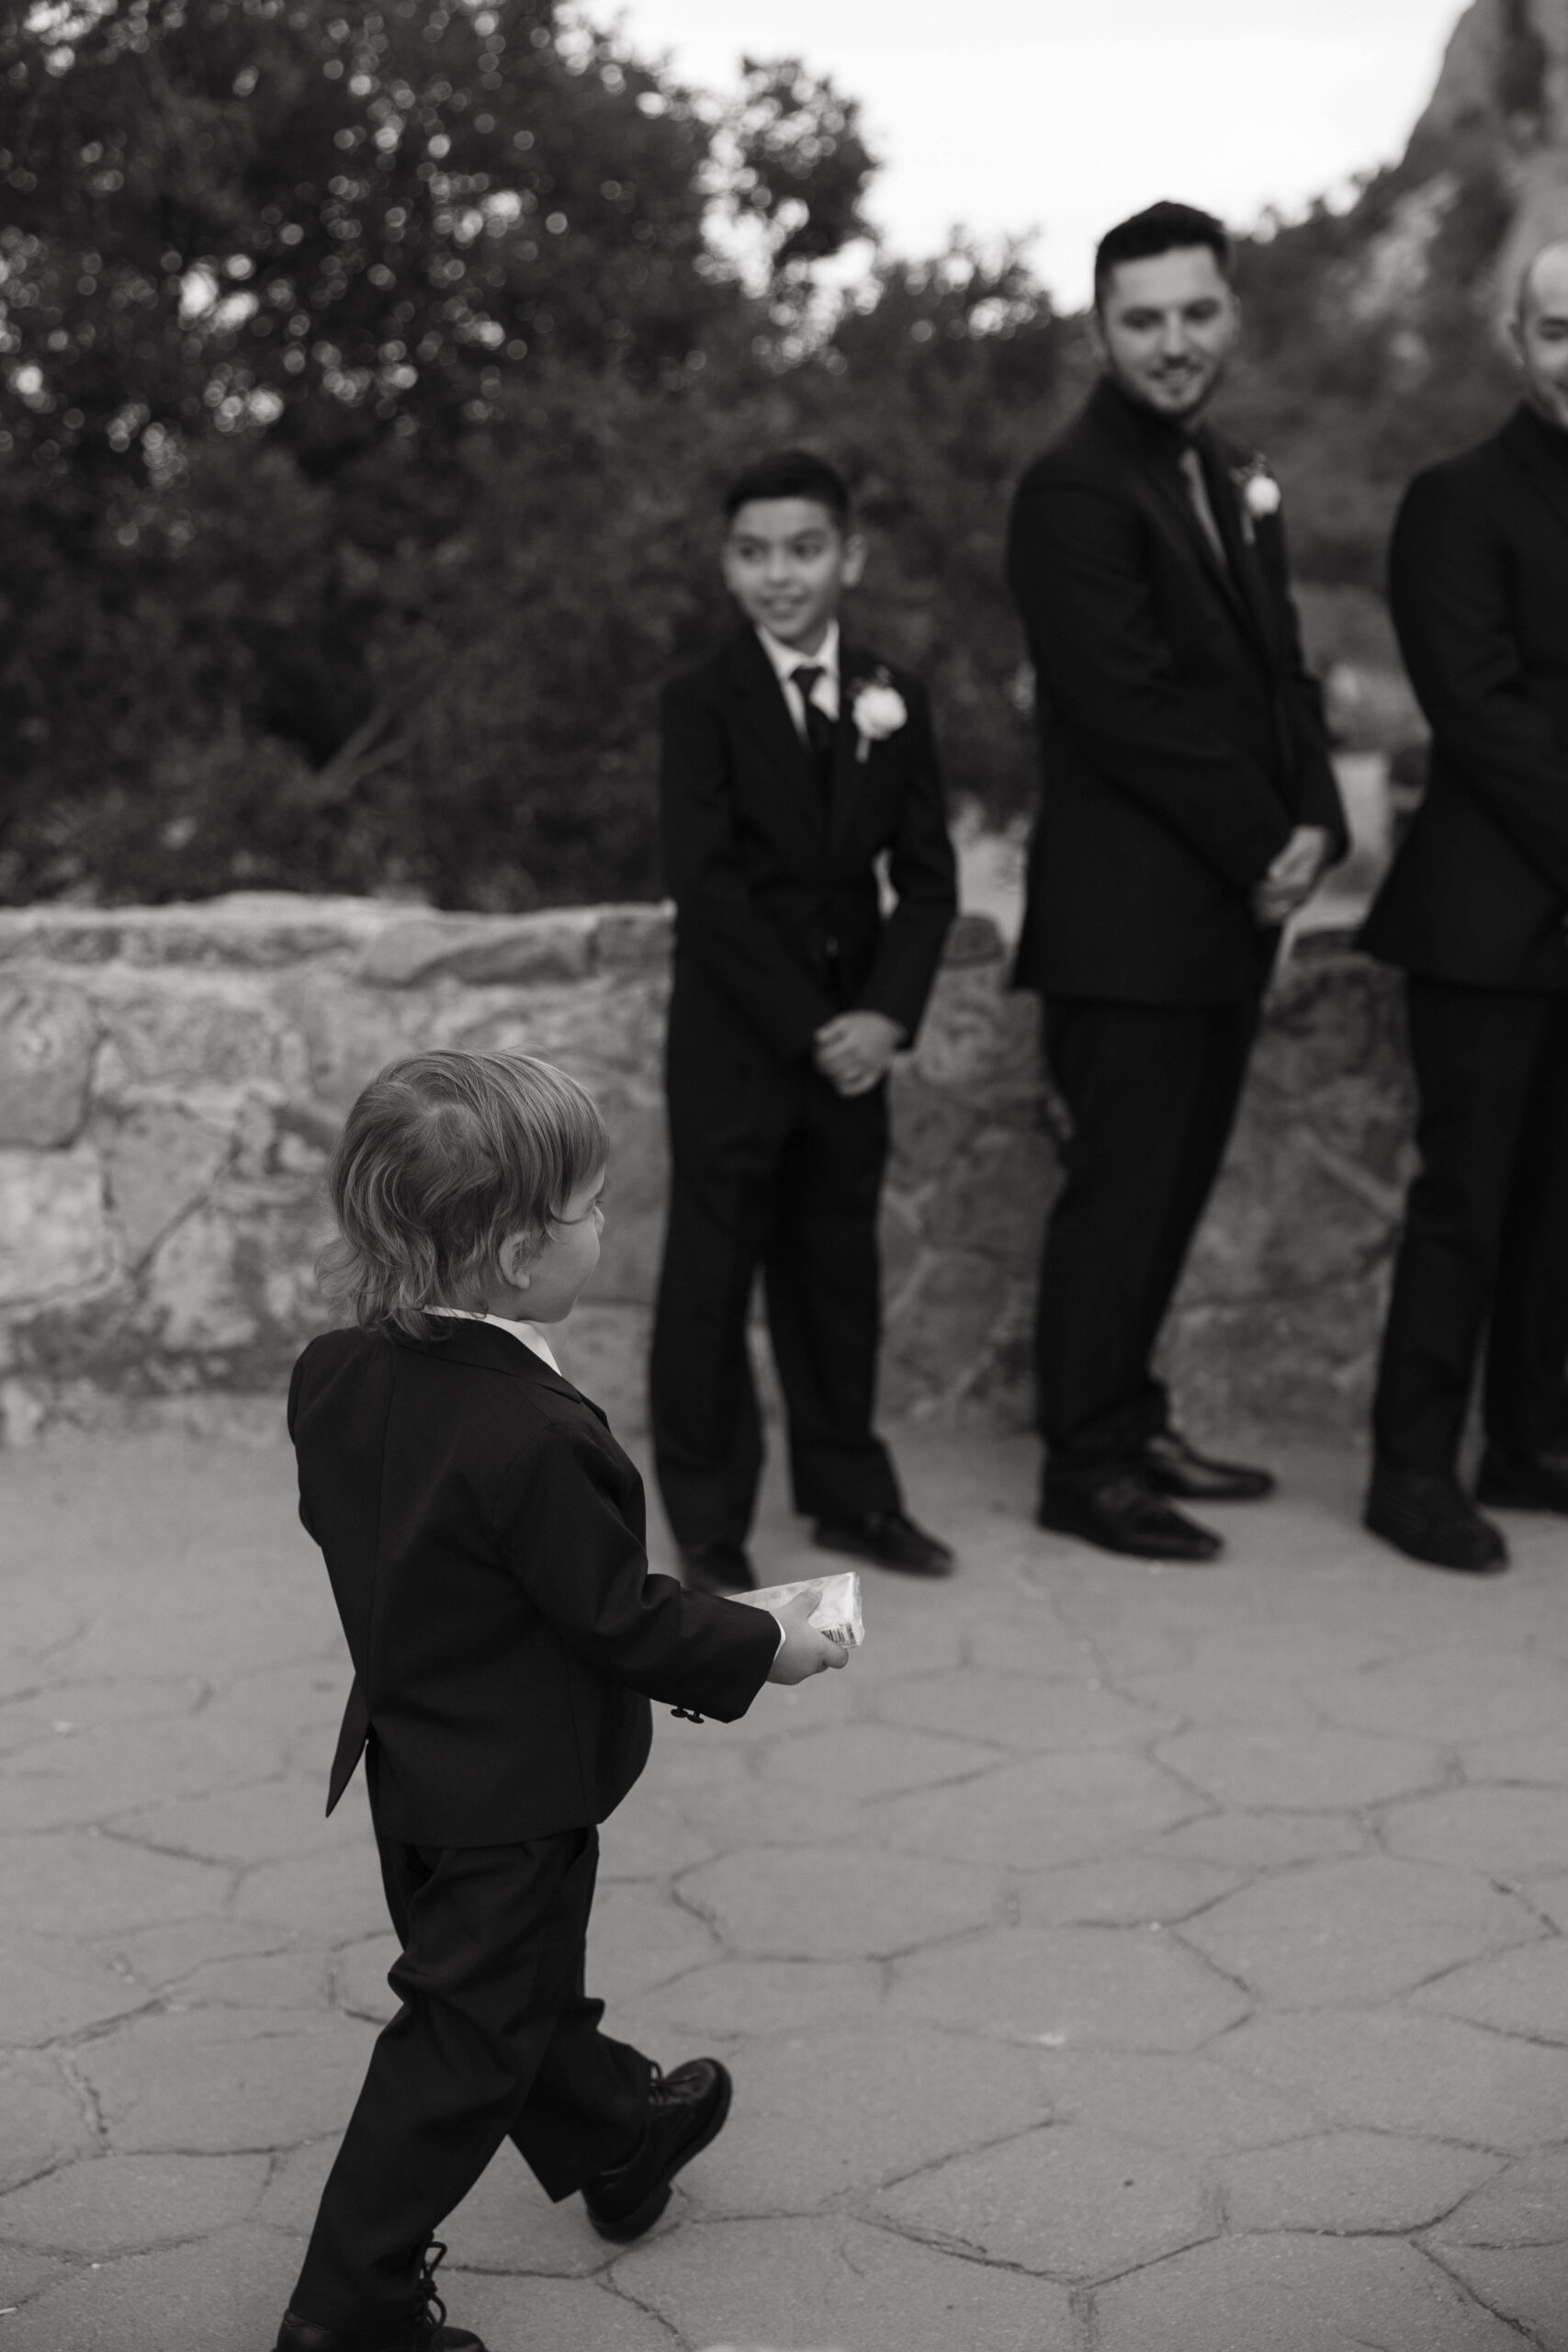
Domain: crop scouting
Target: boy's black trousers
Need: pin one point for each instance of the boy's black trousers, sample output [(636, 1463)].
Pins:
[(495, 2039), (770, 1167)]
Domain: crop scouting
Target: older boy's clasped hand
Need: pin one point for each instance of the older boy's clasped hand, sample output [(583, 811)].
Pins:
[(804, 1651), (855, 1050)]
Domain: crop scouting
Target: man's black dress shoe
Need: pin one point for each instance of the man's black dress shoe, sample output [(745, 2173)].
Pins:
[(1426, 1515), (685, 2110), (1121, 1512), (890, 1539), (1539, 1484), (1174, 1466), (421, 2328), (718, 1567)]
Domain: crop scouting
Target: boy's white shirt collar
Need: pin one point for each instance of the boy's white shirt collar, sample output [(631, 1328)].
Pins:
[(529, 1333), (787, 659)]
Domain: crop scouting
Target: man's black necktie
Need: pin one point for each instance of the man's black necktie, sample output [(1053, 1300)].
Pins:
[(819, 729)]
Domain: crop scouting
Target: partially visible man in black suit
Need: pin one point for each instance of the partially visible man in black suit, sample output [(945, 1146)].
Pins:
[(1474, 910), (792, 760), (1188, 808)]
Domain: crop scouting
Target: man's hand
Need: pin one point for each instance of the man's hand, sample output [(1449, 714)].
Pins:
[(804, 1651), (1294, 876), (856, 1050)]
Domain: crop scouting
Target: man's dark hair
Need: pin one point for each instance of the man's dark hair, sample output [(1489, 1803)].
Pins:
[(1164, 228), (790, 473)]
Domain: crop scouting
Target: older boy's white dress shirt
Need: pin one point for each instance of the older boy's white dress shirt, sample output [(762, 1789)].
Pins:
[(787, 659)]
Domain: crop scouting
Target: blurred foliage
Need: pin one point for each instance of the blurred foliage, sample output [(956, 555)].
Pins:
[(369, 379)]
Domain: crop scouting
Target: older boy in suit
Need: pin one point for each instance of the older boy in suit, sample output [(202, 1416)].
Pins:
[(1474, 910), (792, 760)]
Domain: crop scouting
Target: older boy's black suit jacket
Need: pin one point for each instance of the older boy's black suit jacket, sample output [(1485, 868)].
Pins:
[(483, 1533), (1478, 583), (1181, 737), (778, 922)]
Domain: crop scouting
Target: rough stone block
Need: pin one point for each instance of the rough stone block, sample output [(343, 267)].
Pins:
[(746, 1998), (159, 1159), (79, 1883), (1503, 1831), (1037, 1812), (1355, 1931), (846, 1903), (1523, 1992), (635, 939), (1119, 1988), (1310, 2294), (1526, 2284), (55, 1989), (903, 2098), (222, 2293), (1298, 1770), (1068, 2203), (835, 2282), (1527, 2204), (46, 1049), (167, 1030), (130, 2204), (54, 1235), (1349, 2182), (481, 950), (46, 2124), (1394, 2070), (224, 2080), (1019, 1711), (855, 1763), (1185, 2101)]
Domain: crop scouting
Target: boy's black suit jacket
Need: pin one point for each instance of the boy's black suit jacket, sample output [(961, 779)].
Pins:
[(1181, 736), (1478, 583), (483, 1533), (778, 920)]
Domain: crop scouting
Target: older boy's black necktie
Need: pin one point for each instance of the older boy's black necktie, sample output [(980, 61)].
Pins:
[(820, 730)]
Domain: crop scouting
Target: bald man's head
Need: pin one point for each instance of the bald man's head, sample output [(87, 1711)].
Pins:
[(1543, 281), (1539, 331)]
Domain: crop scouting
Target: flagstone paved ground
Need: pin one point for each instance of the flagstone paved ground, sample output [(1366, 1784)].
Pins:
[(1110, 1961)]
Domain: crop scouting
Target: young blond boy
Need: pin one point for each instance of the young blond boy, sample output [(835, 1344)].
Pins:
[(483, 1533)]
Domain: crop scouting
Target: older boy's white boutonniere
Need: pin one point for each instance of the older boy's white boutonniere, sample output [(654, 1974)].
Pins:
[(878, 710), (1261, 492)]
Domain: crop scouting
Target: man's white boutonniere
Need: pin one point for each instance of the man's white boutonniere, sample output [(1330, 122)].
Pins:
[(1261, 492), (878, 710)]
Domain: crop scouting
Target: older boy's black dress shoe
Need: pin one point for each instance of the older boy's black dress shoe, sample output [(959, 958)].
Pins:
[(1174, 1466), (718, 1567), (1426, 1515), (1121, 1512), (1509, 1484), (421, 2328), (686, 2109), (889, 1538)]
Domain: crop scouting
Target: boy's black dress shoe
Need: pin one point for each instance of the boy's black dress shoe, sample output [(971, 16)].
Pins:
[(718, 1567), (1121, 1512), (889, 1538), (423, 2329), (1539, 1484), (1426, 1515), (685, 2110), (1174, 1466)]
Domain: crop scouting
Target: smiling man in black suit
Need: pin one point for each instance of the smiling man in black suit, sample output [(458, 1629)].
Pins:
[(1474, 910), (1188, 808), (792, 762)]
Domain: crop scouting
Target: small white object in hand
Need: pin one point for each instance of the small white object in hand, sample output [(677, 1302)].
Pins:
[(878, 711), (838, 1610)]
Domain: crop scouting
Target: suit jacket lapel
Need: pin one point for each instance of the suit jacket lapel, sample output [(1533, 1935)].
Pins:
[(766, 718), (854, 667), (1155, 449), (1524, 437), (1241, 548)]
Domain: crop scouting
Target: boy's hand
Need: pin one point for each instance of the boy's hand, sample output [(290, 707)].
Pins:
[(804, 1651), (856, 1050)]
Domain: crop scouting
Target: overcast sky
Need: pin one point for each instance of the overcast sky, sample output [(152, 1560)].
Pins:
[(1060, 116)]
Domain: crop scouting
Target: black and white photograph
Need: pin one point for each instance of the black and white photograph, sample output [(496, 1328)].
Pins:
[(783, 1176)]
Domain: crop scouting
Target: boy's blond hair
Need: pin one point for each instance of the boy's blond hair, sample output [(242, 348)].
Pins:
[(443, 1156)]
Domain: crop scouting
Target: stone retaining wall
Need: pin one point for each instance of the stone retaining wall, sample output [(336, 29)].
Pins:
[(170, 1081)]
